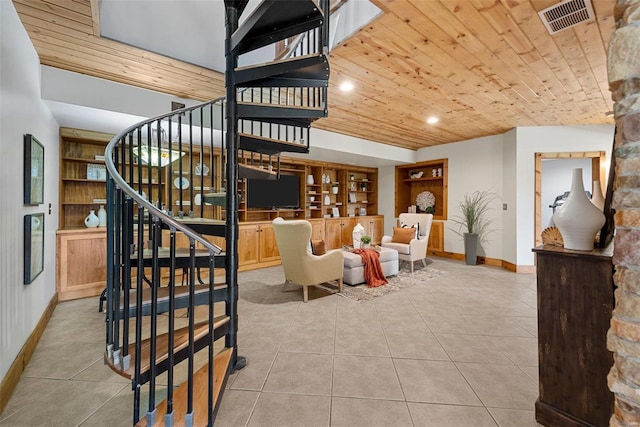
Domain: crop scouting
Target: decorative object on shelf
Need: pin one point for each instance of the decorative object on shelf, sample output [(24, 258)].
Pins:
[(96, 172), (323, 179), (202, 169), (327, 200), (425, 200), (33, 172), (352, 186), (33, 246), (416, 175), (312, 198), (181, 183), (356, 234), (363, 212), (197, 199), (352, 198), (434, 172), (91, 220), (334, 189), (473, 222), (552, 236), (439, 171), (102, 216), (363, 186), (161, 151), (578, 220), (310, 180), (335, 212), (352, 177), (596, 195)]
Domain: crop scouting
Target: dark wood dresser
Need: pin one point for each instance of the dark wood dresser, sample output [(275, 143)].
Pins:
[(575, 301)]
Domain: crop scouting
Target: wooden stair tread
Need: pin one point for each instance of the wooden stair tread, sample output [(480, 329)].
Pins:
[(266, 145), (200, 399), (163, 293), (180, 338), (248, 171), (283, 106)]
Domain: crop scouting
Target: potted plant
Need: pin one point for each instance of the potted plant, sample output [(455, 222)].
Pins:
[(473, 222), (366, 241)]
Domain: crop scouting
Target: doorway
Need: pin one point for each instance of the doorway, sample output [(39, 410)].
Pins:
[(598, 173)]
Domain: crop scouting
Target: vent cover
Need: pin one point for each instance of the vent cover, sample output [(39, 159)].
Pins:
[(566, 14)]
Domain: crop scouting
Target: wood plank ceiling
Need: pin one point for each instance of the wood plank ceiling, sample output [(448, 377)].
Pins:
[(481, 66)]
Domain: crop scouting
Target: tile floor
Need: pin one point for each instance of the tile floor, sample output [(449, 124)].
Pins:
[(457, 350)]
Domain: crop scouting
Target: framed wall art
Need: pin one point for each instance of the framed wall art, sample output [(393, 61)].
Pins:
[(33, 246), (33, 171)]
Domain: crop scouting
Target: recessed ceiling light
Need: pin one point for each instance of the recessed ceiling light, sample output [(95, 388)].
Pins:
[(433, 120), (346, 87)]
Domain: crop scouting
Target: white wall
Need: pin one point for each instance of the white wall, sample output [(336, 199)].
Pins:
[(509, 218), (474, 165), (548, 139), (22, 111), (556, 179), (387, 197)]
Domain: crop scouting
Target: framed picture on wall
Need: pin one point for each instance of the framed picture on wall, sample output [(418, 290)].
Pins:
[(33, 171), (33, 246)]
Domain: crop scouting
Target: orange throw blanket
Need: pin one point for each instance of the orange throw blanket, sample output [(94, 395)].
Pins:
[(372, 268)]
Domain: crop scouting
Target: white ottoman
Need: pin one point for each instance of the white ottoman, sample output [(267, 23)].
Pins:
[(354, 270)]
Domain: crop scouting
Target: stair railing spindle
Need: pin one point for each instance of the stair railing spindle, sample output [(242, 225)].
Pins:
[(171, 327), (153, 319)]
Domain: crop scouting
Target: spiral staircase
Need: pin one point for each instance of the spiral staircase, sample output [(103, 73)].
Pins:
[(171, 318)]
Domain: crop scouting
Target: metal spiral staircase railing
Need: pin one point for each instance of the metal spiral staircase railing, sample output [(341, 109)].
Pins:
[(165, 303)]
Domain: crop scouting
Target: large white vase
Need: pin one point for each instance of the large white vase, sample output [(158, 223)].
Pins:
[(578, 219)]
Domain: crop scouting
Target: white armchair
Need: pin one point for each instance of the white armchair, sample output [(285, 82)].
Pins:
[(416, 249), (300, 265)]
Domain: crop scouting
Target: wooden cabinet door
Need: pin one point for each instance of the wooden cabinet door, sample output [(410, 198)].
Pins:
[(268, 250), (248, 244), (436, 237), (317, 229), (376, 228), (346, 232), (332, 233)]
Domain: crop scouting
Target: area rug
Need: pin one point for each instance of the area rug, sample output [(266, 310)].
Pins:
[(404, 279)]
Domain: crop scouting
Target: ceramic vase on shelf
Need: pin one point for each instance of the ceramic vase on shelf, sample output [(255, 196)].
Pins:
[(327, 200), (310, 180), (597, 198), (102, 216), (92, 220), (334, 190), (578, 219)]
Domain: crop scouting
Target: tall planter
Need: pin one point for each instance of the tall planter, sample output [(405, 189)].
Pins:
[(578, 219), (470, 248)]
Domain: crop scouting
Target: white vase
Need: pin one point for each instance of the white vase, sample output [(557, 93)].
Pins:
[(310, 180), (327, 200), (596, 195), (102, 216), (578, 219), (334, 190), (92, 220)]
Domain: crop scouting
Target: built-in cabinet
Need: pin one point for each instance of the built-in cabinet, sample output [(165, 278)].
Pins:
[(416, 178), (351, 193)]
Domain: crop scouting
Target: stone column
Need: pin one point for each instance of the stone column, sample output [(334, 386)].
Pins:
[(624, 334)]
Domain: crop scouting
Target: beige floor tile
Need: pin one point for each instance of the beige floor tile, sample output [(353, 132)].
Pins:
[(235, 409), (361, 342), (309, 338), (291, 410), (472, 348), (500, 386), (350, 412), (532, 372), (254, 375), (415, 345), (522, 351), (301, 373), (68, 404), (99, 372), (402, 320), (514, 417), (368, 377), (434, 382), (476, 325), (63, 330), (62, 360), (433, 415), (27, 393), (79, 308)]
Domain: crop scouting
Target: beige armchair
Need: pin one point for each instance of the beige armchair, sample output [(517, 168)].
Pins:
[(300, 265), (416, 249)]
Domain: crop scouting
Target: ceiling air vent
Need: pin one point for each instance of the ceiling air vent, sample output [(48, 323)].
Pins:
[(566, 14)]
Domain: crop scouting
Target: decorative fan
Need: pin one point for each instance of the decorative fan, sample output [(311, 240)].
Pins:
[(552, 236), (425, 200)]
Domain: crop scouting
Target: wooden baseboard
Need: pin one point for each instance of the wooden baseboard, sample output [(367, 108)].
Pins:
[(487, 261), (10, 380)]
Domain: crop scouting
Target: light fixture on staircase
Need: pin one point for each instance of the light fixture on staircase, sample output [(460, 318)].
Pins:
[(164, 154)]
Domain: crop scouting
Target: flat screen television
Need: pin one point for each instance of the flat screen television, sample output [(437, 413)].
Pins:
[(277, 193)]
